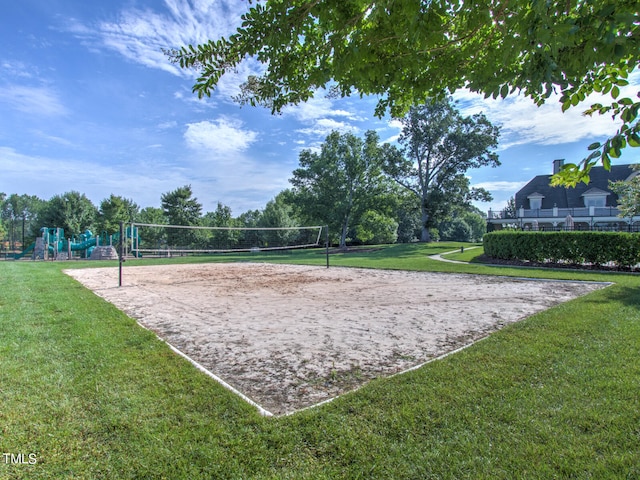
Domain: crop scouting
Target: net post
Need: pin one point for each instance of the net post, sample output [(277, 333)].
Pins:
[(326, 242), (120, 254)]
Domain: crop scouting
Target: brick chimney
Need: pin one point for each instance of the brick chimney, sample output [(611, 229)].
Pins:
[(557, 165)]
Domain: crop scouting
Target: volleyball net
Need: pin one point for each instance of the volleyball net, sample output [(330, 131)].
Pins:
[(168, 240)]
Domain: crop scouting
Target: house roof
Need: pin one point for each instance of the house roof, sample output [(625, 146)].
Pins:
[(595, 191), (572, 197)]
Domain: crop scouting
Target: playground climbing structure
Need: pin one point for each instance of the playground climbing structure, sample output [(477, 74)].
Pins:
[(53, 245)]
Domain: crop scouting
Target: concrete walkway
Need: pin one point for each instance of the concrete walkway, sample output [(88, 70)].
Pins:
[(439, 256)]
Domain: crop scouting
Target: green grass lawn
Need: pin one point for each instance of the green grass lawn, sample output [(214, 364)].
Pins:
[(470, 253), (92, 395)]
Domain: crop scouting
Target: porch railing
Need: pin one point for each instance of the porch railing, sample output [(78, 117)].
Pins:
[(560, 213)]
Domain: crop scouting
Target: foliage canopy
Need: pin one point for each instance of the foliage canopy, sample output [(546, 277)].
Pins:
[(439, 146), (341, 182), (628, 195), (406, 52)]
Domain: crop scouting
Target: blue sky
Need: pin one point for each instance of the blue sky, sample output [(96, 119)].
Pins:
[(88, 102)]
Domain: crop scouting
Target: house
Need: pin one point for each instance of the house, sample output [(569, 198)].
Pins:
[(593, 206)]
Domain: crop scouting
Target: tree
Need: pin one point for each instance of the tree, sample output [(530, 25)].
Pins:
[(458, 230), (478, 223), (466, 225), (376, 228), (249, 218), (439, 147), (407, 52), (72, 211), (221, 217), (278, 214), (628, 195), (341, 182), (510, 210), (152, 237), (180, 208), (19, 211), (3, 229), (407, 214), (114, 210), (450, 197)]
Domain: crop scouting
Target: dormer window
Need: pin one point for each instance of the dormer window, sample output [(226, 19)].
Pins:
[(535, 201), (594, 197)]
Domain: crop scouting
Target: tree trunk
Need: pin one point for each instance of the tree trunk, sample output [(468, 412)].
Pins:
[(343, 234), (424, 234), (345, 223)]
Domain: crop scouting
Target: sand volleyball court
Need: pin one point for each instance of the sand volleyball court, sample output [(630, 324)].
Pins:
[(290, 336)]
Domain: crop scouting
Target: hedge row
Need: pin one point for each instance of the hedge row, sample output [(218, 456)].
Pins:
[(596, 248)]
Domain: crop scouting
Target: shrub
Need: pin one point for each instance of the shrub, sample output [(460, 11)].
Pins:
[(596, 248), (376, 228)]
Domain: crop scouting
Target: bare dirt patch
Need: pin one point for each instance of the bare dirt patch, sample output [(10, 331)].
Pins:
[(292, 336)]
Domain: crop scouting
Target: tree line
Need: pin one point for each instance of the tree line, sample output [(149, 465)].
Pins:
[(366, 191)]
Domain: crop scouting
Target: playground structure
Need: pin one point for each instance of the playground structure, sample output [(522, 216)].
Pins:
[(53, 245)]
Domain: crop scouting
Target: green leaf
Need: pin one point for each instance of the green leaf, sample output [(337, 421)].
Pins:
[(615, 91), (594, 146), (619, 50), (633, 140)]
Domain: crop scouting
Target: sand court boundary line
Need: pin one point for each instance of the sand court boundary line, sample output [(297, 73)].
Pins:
[(289, 337), (261, 410), (266, 413)]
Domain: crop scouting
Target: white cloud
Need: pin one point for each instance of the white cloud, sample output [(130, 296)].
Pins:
[(325, 126), (500, 186), (241, 183), (524, 123), (53, 138), (140, 35), (223, 136), (23, 173), (316, 108), (393, 124), (17, 69), (319, 118), (168, 125), (35, 101)]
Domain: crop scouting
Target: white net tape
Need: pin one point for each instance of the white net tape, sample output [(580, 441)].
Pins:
[(166, 240)]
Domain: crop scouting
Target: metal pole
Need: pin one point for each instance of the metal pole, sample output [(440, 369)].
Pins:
[(120, 254), (327, 244)]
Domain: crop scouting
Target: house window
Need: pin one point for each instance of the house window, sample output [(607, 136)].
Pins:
[(535, 201), (594, 201), (595, 197)]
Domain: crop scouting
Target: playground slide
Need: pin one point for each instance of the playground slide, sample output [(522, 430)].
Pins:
[(75, 246), (83, 245), (26, 251)]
